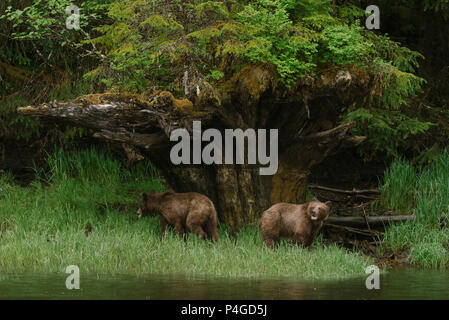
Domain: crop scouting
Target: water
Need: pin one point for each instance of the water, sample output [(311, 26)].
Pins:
[(396, 284)]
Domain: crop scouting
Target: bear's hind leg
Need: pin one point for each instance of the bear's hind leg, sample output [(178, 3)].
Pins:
[(194, 223), (163, 223), (270, 228), (211, 230), (180, 229), (271, 242)]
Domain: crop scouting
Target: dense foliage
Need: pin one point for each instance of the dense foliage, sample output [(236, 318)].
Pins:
[(140, 45), (40, 59)]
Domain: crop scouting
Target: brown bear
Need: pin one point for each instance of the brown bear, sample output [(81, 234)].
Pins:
[(188, 211), (300, 222)]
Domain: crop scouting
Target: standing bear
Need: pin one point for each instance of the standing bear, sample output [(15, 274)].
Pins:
[(188, 211), (300, 222)]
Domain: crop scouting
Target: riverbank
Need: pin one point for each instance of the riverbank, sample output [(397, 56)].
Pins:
[(82, 211)]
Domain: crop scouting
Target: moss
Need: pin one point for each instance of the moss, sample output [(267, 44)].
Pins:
[(249, 83), (166, 98), (129, 98), (29, 108), (156, 100), (208, 97), (92, 98), (184, 105)]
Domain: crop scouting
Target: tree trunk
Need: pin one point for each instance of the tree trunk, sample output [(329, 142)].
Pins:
[(307, 117)]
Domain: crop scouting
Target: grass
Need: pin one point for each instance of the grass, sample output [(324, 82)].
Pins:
[(43, 229), (397, 191), (428, 192)]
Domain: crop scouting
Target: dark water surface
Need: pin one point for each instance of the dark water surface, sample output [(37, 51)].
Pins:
[(396, 284)]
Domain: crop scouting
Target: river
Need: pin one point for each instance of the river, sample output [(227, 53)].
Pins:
[(396, 284)]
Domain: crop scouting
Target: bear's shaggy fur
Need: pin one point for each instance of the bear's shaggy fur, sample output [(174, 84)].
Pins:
[(188, 211), (299, 222)]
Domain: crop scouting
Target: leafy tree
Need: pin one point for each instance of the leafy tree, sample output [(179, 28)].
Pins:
[(141, 45), (41, 59), (154, 46)]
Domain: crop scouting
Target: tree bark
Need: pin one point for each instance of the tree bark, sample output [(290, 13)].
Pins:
[(307, 116)]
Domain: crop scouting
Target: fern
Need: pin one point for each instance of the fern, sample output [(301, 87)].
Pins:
[(387, 131)]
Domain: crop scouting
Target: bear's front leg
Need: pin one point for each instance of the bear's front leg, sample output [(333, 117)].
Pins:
[(313, 236), (180, 229), (163, 223), (300, 239)]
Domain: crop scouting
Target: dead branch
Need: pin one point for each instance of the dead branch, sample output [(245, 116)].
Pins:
[(370, 233), (373, 221), (351, 192)]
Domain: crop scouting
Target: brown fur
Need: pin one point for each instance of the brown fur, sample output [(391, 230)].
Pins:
[(300, 222), (188, 211)]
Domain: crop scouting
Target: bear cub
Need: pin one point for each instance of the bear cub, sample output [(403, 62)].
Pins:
[(299, 222), (188, 211)]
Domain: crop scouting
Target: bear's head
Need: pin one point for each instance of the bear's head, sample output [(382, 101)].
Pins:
[(317, 210), (149, 204)]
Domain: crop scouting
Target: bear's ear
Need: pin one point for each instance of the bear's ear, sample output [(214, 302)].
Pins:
[(151, 192), (328, 203), (314, 199)]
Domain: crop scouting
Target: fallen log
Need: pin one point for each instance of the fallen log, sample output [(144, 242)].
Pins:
[(365, 232), (351, 192), (372, 221)]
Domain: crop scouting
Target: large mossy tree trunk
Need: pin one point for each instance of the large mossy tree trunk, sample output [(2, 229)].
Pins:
[(308, 116)]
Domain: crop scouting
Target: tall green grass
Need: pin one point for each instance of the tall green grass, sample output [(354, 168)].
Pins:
[(398, 189), (43, 229), (428, 191)]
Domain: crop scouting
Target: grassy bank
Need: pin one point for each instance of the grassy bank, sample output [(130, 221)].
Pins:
[(425, 193), (86, 216)]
